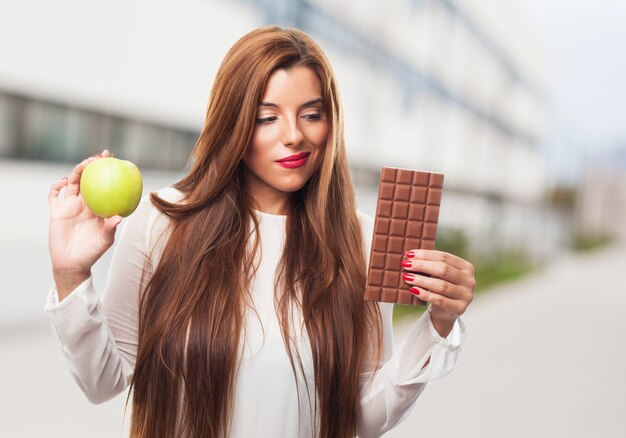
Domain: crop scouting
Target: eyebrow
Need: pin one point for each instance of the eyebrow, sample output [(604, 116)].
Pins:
[(304, 105)]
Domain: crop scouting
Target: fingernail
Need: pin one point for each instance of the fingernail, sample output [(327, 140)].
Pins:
[(409, 254), (407, 263), (408, 277), (414, 290)]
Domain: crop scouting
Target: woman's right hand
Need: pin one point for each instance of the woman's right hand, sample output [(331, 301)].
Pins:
[(77, 238)]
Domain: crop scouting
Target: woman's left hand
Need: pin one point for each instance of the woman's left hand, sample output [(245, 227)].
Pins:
[(450, 289)]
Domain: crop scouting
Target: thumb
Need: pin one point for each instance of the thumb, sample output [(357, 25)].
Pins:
[(110, 225)]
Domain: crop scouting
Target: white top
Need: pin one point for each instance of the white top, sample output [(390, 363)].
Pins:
[(99, 339)]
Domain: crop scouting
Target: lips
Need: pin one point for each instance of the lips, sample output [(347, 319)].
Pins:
[(295, 157), (294, 161)]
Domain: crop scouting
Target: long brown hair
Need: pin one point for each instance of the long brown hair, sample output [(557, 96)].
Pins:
[(192, 310)]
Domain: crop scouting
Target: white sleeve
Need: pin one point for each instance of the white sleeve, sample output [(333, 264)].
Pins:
[(99, 338), (389, 394)]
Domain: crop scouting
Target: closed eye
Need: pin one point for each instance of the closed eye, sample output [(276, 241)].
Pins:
[(314, 116), (265, 120)]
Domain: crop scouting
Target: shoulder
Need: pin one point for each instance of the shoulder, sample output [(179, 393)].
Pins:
[(149, 220), (157, 221), (367, 231), (169, 194), (148, 211), (367, 224)]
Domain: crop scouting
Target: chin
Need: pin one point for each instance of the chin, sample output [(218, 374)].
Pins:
[(293, 186)]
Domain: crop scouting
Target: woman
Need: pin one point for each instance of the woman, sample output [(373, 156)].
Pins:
[(234, 303)]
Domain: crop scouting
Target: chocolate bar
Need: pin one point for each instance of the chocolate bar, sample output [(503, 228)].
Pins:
[(406, 218)]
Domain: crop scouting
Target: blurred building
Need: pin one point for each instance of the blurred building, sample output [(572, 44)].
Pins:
[(442, 85), (601, 198)]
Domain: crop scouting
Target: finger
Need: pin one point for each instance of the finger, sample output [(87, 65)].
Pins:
[(110, 226), (453, 307), (437, 269), (106, 153), (73, 187), (436, 285), (55, 190), (440, 256)]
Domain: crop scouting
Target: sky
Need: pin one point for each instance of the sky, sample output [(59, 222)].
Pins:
[(585, 42)]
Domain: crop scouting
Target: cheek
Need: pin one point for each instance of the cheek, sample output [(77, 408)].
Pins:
[(262, 138), (260, 146), (319, 135)]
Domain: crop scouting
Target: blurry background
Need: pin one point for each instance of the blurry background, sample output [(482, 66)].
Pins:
[(520, 103)]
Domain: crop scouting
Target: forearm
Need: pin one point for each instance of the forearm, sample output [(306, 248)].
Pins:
[(66, 282), (383, 412), (91, 352), (443, 327), (389, 396)]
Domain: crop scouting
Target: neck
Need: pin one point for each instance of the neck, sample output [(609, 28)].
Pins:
[(266, 199), (270, 203)]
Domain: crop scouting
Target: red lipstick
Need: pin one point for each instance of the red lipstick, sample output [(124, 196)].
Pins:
[(294, 161)]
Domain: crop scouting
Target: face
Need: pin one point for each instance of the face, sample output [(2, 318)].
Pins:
[(288, 140)]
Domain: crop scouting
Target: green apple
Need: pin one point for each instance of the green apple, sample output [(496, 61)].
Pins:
[(110, 186)]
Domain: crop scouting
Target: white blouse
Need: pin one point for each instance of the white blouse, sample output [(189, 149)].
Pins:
[(99, 339)]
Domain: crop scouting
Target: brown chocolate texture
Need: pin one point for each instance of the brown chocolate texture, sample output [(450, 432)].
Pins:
[(406, 218)]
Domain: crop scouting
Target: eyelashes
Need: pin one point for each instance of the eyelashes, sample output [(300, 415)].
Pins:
[(267, 120)]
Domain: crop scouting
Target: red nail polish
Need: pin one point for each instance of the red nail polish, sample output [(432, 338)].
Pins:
[(409, 254), (407, 264), (414, 290), (408, 277)]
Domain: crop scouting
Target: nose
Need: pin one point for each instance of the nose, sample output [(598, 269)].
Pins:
[(292, 135)]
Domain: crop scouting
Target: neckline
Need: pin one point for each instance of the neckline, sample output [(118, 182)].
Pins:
[(270, 215)]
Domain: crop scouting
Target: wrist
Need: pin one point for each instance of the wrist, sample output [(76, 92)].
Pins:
[(442, 325), (68, 281)]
